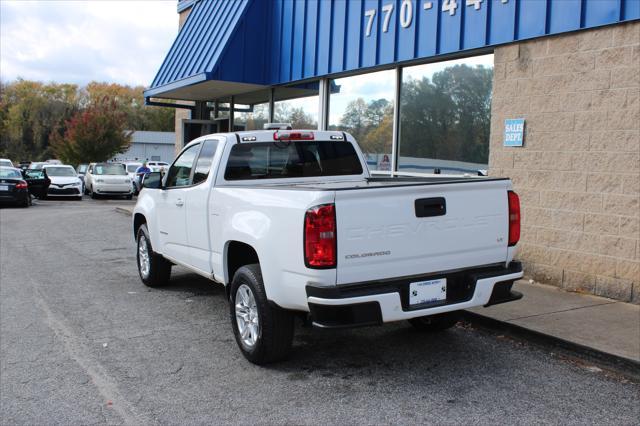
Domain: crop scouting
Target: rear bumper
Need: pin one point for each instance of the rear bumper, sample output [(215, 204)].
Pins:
[(387, 301), (16, 196)]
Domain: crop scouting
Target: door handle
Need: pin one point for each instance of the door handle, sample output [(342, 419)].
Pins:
[(179, 202), (429, 207)]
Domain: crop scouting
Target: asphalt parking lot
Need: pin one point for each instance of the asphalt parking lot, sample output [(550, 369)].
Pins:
[(82, 341)]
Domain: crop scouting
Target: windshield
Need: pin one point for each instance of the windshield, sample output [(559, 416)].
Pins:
[(6, 163), (35, 174), (8, 173), (82, 168), (60, 171), (271, 160), (110, 169), (131, 168)]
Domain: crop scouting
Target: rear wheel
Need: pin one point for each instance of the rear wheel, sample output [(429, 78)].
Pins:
[(264, 332), (154, 269), (438, 322)]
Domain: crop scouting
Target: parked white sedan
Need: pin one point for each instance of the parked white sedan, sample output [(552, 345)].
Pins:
[(64, 181), (108, 179)]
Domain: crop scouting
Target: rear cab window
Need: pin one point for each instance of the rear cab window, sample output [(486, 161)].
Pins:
[(291, 159)]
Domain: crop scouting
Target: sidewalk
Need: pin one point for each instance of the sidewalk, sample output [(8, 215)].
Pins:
[(600, 324)]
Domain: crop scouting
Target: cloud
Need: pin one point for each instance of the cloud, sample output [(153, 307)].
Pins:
[(78, 42)]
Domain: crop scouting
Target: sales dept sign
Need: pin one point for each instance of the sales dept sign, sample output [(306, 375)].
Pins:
[(514, 132)]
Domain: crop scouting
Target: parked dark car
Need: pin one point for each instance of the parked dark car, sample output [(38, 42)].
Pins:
[(13, 188), (38, 182)]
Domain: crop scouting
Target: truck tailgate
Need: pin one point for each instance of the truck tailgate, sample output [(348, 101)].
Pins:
[(396, 231)]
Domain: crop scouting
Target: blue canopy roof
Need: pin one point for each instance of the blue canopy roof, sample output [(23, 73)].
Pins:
[(213, 34), (233, 47)]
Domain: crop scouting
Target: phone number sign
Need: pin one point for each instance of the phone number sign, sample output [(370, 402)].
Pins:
[(514, 132)]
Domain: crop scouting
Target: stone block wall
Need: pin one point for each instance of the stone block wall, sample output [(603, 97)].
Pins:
[(578, 174)]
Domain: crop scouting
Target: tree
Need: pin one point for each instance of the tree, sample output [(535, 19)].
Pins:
[(449, 116), (296, 116), (354, 118), (130, 100), (30, 111), (95, 134)]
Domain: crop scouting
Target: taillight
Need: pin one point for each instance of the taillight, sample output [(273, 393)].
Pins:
[(320, 237), (292, 136), (514, 218), (22, 185)]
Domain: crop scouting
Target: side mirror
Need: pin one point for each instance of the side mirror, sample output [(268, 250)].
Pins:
[(152, 180)]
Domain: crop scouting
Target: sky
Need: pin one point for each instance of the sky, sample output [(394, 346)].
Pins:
[(81, 41)]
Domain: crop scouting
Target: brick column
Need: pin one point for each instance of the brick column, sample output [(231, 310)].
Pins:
[(578, 174)]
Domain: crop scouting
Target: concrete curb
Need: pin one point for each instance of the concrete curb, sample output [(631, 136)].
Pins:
[(619, 364), (124, 211)]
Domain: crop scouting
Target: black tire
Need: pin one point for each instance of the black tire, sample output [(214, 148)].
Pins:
[(435, 323), (275, 333), (26, 203), (159, 267), (93, 194)]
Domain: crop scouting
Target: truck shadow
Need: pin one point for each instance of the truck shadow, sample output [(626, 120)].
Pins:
[(183, 281), (373, 351), (369, 355)]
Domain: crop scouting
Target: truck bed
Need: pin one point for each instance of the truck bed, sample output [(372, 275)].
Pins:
[(373, 182)]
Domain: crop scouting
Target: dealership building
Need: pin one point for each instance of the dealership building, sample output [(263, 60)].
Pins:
[(545, 92)]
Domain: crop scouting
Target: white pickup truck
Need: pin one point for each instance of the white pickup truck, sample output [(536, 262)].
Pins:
[(292, 223)]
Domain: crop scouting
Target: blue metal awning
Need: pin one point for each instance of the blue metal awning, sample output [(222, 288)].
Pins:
[(213, 34), (237, 47)]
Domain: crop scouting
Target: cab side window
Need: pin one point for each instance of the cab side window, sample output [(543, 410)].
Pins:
[(180, 171), (203, 165)]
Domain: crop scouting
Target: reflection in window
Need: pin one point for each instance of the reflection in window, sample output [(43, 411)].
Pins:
[(253, 120), (445, 116), (180, 172), (297, 104), (363, 106)]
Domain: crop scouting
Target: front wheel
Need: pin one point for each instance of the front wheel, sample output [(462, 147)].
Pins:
[(264, 332), (434, 323), (154, 269)]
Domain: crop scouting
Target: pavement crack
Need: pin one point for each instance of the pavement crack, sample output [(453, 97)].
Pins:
[(560, 311), (177, 370)]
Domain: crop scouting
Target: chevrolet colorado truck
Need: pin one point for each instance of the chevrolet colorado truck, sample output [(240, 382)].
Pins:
[(291, 222)]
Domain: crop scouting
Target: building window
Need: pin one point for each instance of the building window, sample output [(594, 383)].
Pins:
[(297, 105), (252, 120), (445, 116), (363, 106)]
